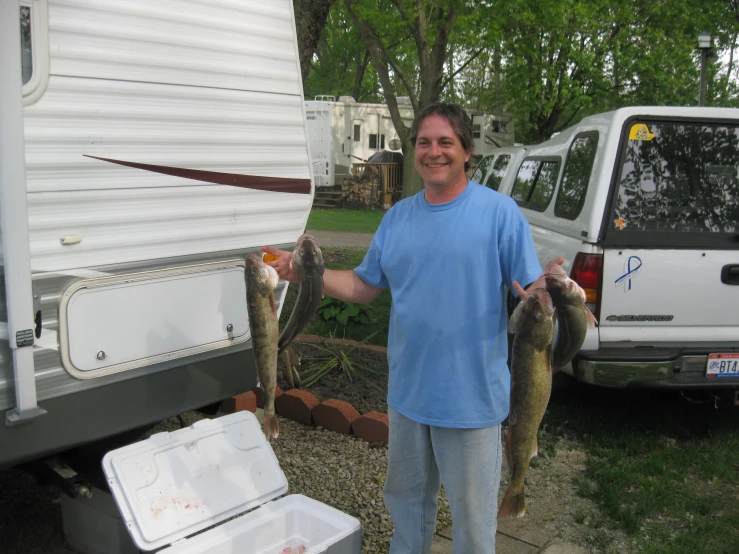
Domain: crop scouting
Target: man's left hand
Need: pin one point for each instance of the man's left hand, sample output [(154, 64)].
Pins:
[(540, 283)]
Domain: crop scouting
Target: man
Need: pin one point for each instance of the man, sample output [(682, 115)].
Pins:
[(446, 254)]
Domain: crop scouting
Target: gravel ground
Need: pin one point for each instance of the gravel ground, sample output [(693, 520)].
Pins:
[(339, 470)]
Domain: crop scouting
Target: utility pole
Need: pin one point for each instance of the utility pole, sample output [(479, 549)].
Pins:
[(704, 45)]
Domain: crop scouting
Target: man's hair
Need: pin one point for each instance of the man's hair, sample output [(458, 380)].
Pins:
[(457, 118)]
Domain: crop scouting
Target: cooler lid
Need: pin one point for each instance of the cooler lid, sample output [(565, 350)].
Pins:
[(172, 485)]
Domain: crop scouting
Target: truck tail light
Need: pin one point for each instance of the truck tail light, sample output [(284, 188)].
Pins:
[(587, 271)]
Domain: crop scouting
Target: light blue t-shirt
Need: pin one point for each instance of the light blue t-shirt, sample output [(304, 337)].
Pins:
[(446, 266)]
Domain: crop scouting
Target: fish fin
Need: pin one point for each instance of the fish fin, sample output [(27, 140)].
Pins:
[(509, 448), (295, 377), (286, 368), (291, 362), (272, 304), (589, 317), (535, 448), (271, 427), (513, 504)]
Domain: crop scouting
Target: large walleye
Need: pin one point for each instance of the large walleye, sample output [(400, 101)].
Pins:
[(261, 281), (532, 323), (308, 262), (573, 316)]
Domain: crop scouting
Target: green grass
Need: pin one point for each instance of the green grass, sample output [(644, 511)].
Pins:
[(661, 469), (352, 221)]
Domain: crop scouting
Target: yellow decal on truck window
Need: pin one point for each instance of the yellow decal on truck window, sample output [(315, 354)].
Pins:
[(639, 131)]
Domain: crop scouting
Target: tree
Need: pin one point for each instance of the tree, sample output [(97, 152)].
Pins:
[(310, 19), (567, 59), (341, 63), (409, 42)]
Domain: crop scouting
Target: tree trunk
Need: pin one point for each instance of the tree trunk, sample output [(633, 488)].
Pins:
[(310, 19), (431, 59), (412, 182)]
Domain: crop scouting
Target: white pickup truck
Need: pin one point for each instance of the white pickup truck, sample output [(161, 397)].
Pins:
[(643, 203)]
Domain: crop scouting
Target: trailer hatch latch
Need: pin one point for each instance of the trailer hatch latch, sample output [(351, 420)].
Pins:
[(24, 338)]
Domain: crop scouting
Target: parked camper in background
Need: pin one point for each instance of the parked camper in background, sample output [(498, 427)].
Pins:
[(490, 131), (343, 132), (643, 203), (135, 117)]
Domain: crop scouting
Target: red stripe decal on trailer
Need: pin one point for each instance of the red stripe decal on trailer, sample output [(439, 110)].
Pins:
[(274, 184)]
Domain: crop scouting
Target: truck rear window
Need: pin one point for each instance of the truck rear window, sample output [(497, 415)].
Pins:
[(678, 177), (499, 167), (535, 183)]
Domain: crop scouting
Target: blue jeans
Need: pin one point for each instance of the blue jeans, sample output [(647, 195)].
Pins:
[(467, 461)]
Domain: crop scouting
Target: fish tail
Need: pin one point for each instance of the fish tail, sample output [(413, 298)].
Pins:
[(271, 426), (513, 505)]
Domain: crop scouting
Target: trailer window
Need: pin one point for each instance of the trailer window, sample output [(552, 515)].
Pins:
[(534, 184), (357, 132), (496, 175), (476, 130), (678, 177), (34, 49), (576, 176), (373, 142)]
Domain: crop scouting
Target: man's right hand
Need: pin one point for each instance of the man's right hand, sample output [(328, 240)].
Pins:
[(283, 265)]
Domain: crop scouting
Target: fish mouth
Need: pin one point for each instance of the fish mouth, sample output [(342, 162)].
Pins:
[(272, 278), (554, 271), (305, 237), (542, 297)]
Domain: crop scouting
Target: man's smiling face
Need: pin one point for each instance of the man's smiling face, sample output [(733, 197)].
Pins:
[(440, 157)]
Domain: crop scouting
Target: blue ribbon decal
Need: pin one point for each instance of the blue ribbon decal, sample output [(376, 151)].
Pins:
[(630, 270)]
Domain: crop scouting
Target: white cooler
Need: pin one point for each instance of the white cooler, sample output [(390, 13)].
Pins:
[(178, 488)]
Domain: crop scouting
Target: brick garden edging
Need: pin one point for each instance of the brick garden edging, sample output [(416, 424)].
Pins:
[(302, 406)]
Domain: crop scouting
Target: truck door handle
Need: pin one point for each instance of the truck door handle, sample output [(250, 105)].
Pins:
[(730, 274)]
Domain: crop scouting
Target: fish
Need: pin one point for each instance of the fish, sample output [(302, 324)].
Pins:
[(532, 324), (261, 280), (308, 263), (573, 316)]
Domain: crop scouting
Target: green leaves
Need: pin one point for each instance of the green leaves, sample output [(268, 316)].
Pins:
[(331, 309)]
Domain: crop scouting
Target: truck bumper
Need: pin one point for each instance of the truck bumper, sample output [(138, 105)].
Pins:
[(646, 367)]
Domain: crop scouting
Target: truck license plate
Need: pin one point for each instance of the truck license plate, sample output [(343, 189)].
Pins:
[(722, 365)]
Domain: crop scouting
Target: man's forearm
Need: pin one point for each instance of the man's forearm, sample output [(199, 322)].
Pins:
[(346, 286)]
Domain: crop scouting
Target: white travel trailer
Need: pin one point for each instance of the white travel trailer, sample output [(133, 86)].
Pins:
[(344, 132), (490, 131), (145, 149)]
